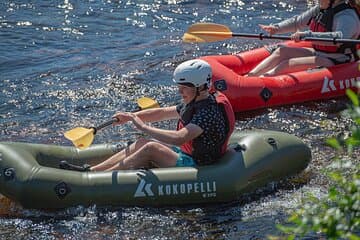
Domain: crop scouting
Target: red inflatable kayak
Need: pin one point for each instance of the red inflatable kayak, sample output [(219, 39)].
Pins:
[(250, 93)]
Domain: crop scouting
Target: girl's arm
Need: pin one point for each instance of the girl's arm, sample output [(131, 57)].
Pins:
[(296, 23), (149, 115), (173, 137)]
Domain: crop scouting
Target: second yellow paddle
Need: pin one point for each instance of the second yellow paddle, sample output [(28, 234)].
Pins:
[(212, 32), (83, 137)]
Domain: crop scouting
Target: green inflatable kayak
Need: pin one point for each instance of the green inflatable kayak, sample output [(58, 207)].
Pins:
[(29, 174)]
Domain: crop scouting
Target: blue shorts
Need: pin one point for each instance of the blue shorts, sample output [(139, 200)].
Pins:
[(184, 160)]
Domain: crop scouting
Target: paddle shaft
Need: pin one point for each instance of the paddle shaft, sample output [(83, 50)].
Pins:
[(261, 36), (105, 124), (83, 137), (109, 122)]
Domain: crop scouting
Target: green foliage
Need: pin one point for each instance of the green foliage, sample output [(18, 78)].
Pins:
[(335, 215)]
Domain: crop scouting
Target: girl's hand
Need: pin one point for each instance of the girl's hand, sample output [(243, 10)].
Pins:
[(271, 29), (298, 36), (122, 117), (139, 124)]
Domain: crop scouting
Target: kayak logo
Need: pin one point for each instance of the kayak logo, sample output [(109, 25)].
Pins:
[(329, 84), (206, 189), (143, 189)]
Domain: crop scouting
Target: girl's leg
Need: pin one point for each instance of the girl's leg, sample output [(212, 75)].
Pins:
[(299, 64), (151, 154), (278, 56), (116, 158)]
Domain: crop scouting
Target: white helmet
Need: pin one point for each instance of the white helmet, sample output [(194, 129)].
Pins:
[(197, 72)]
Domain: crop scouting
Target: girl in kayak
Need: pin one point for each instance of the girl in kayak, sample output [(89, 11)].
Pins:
[(330, 19), (205, 123)]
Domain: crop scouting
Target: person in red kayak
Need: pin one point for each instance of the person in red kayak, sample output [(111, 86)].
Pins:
[(355, 4), (330, 19), (205, 123)]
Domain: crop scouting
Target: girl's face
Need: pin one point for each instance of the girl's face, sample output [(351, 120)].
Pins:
[(324, 4), (187, 93)]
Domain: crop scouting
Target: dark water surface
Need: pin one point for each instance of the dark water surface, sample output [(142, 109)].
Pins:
[(72, 63)]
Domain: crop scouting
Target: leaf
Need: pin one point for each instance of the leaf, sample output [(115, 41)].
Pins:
[(353, 97), (334, 143), (354, 237), (333, 193), (352, 141)]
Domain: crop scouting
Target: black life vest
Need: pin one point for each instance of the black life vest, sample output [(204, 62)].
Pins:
[(323, 22)]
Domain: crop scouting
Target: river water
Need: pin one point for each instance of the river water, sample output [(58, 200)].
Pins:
[(73, 63)]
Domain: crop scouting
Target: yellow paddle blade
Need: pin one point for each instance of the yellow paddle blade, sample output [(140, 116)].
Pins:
[(145, 103), (80, 137), (207, 32), (83, 137)]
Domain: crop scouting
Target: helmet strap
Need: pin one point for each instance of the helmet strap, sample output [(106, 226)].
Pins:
[(197, 94), (197, 91), (331, 3)]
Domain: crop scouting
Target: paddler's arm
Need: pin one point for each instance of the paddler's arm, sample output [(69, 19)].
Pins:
[(149, 115), (297, 22), (177, 137)]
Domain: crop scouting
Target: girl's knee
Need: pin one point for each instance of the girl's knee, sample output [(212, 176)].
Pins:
[(155, 149), (141, 142), (276, 54), (150, 147), (280, 51)]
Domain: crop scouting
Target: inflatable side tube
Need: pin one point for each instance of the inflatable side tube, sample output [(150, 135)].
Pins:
[(29, 174)]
